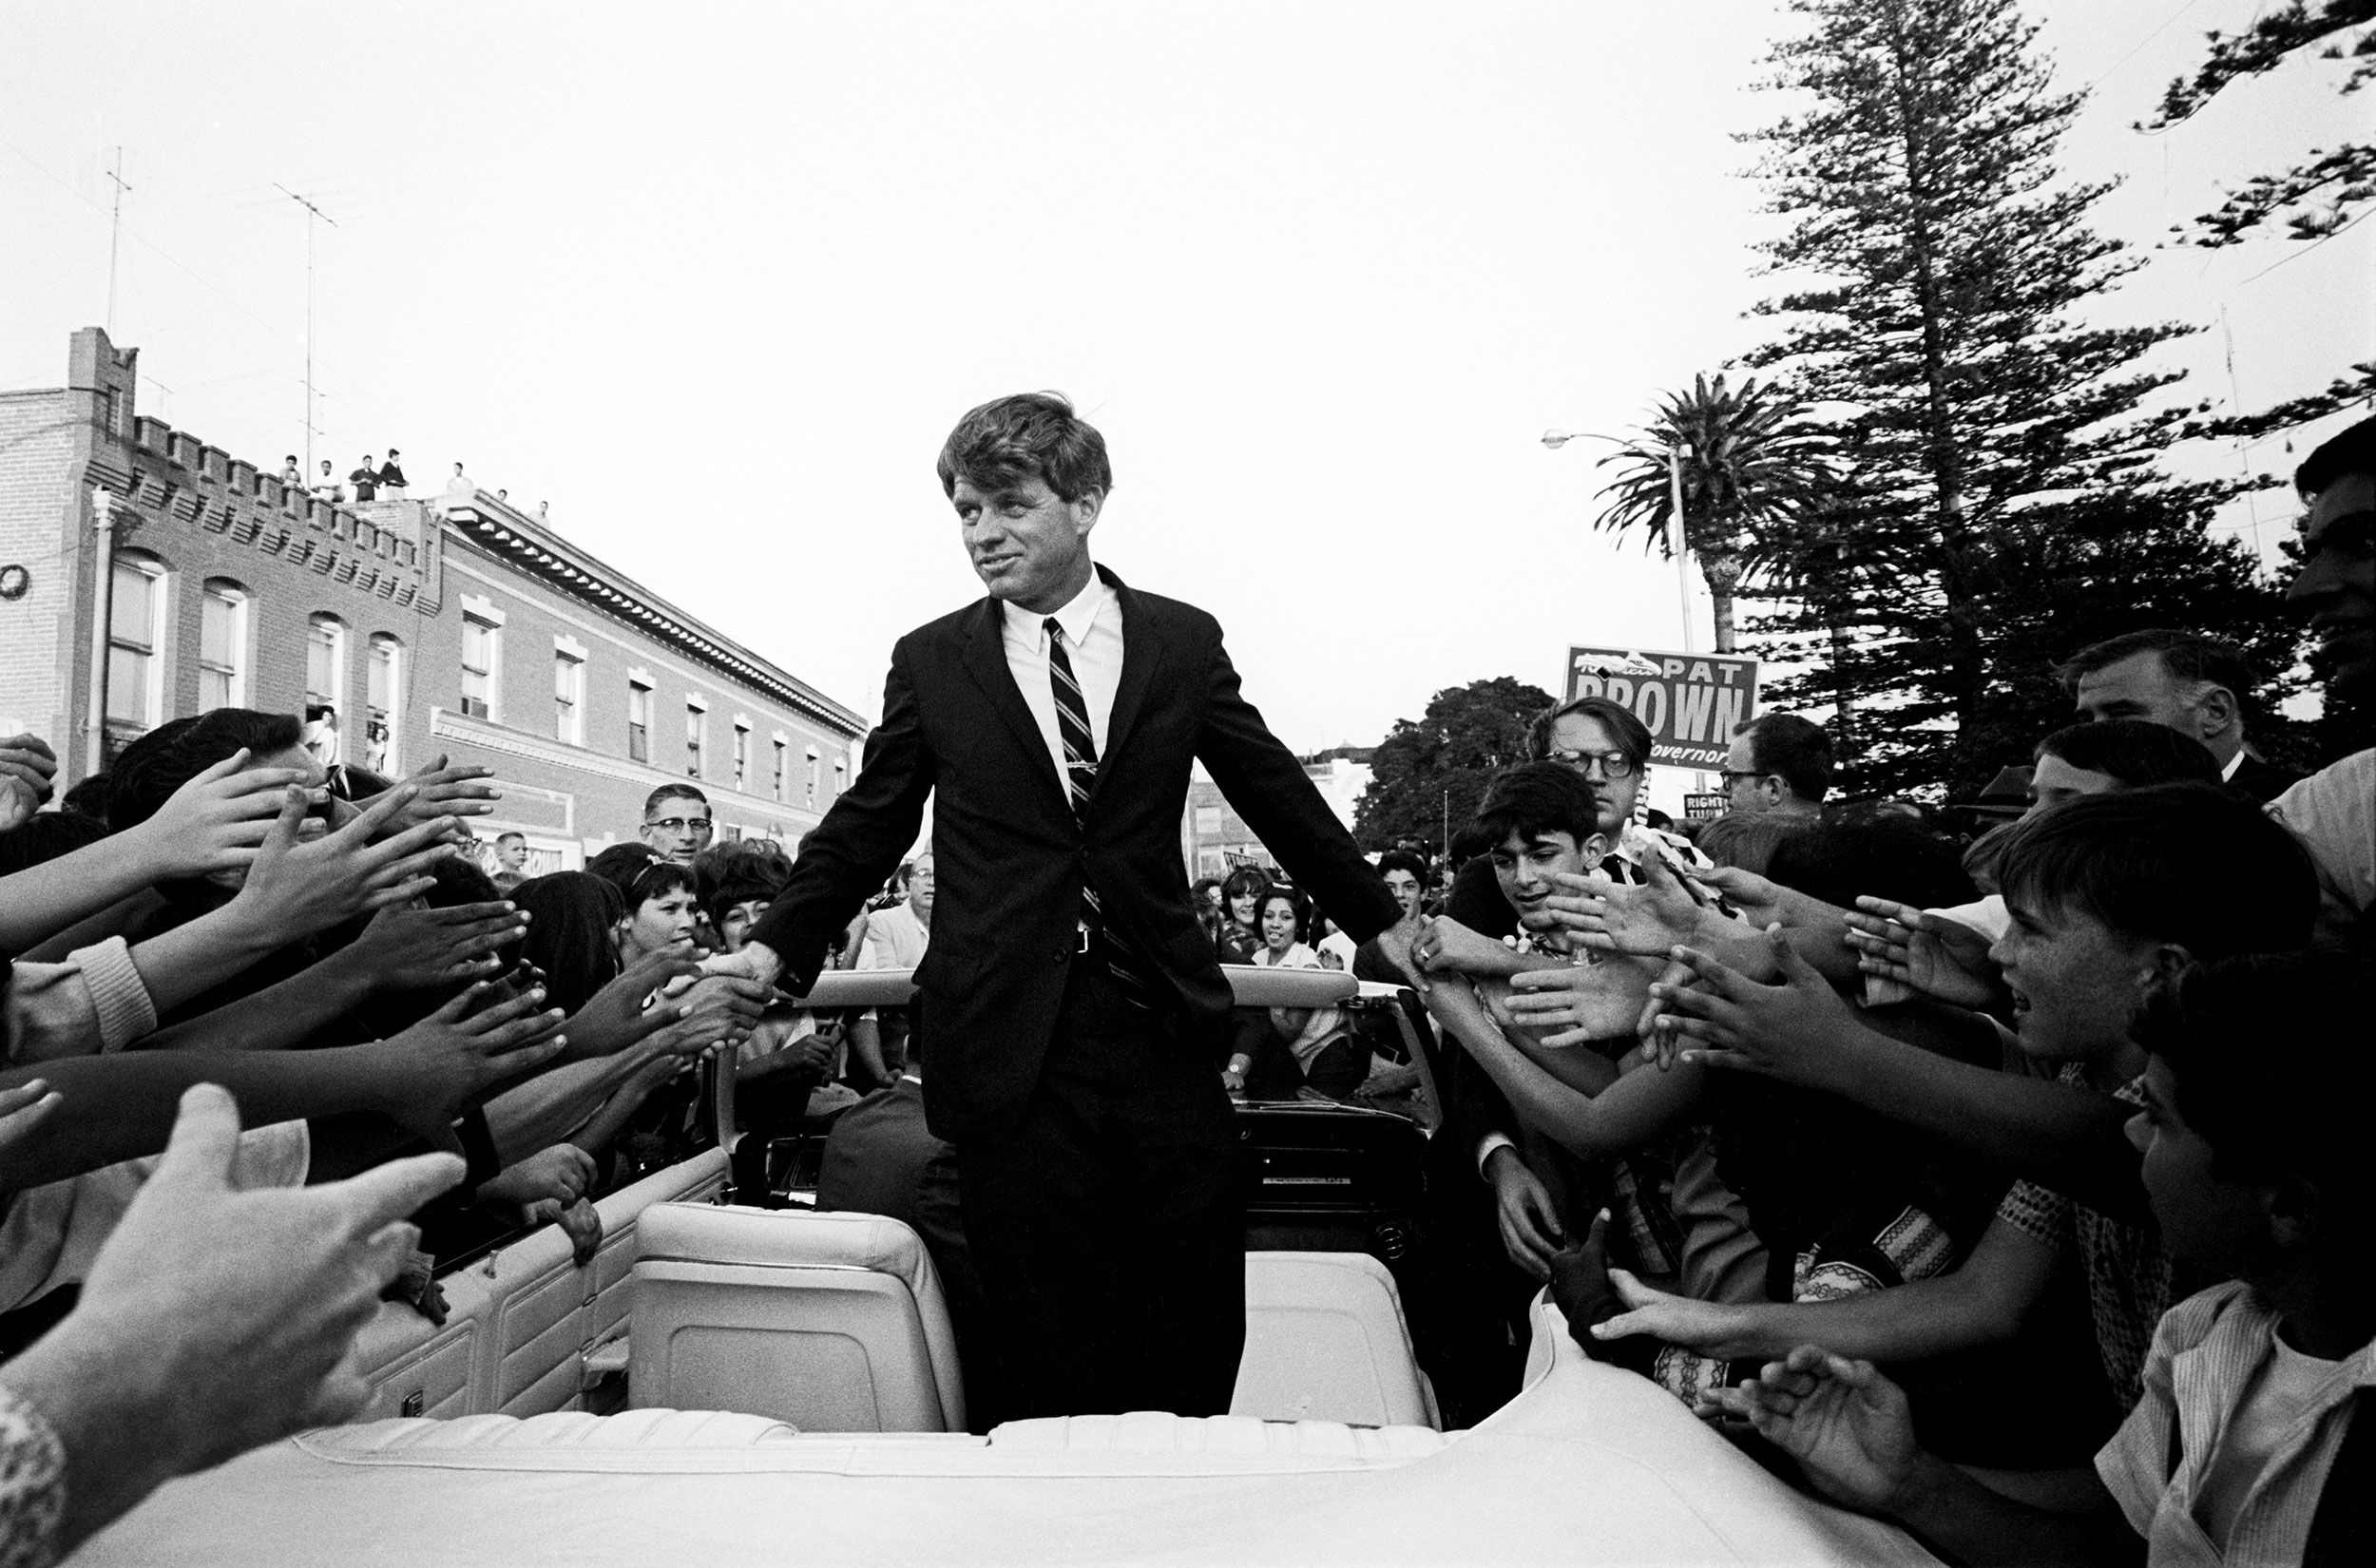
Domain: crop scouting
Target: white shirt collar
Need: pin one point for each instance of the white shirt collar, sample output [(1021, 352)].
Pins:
[(1076, 617), (2226, 774)]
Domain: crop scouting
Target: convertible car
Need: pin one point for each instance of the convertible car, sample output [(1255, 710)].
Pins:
[(726, 1381)]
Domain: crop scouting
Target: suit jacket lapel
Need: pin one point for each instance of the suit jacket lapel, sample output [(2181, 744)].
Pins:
[(1143, 654), (986, 661)]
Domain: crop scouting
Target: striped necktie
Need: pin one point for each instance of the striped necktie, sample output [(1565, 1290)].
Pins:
[(1080, 776)]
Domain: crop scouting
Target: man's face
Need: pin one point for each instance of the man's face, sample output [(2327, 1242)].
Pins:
[(2141, 686), (511, 853), (2074, 981), (2054, 781), (2336, 586), (1026, 545), (679, 829), (1585, 734), (920, 889), (2219, 1224), (1523, 867), (1746, 789), (735, 929), (1404, 886)]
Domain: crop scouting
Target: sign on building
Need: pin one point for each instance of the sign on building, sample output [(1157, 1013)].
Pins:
[(1691, 702)]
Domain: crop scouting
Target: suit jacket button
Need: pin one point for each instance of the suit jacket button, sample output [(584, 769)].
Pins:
[(1063, 953)]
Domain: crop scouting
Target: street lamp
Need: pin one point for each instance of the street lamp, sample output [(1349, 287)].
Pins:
[(1675, 452)]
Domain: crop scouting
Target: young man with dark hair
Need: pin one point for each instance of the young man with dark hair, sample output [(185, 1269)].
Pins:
[(677, 822), (1779, 763), (1072, 997), (2106, 900), (2333, 810), (2250, 1443), (2198, 686)]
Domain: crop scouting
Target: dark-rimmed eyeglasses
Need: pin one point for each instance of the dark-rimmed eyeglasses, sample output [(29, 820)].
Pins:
[(682, 824), (1612, 764)]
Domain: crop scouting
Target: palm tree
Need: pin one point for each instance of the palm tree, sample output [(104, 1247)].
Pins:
[(1751, 469)]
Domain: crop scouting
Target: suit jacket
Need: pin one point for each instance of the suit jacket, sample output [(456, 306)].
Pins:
[(1011, 857), (2263, 781)]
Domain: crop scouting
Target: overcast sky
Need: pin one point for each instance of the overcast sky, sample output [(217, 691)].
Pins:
[(716, 280)]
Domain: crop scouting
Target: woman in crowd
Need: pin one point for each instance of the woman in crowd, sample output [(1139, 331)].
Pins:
[(1281, 1051), (1242, 892), (661, 913)]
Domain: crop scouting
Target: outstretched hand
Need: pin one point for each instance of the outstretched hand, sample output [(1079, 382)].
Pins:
[(445, 1062), (296, 887), (218, 820), (1593, 1002), (1712, 1327), (405, 949), (1849, 1426), (1945, 960), (1787, 1031), (1611, 917)]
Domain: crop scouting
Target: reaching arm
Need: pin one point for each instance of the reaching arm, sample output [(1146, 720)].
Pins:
[(2055, 1135), (854, 851), (1265, 784), (1983, 1302), (1637, 1108), (1853, 1434)]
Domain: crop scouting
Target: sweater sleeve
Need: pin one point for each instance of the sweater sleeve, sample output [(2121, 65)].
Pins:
[(93, 1003)]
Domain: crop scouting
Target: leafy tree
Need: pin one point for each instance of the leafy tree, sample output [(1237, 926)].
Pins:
[(1748, 465), (1997, 503), (2316, 200), (1438, 765)]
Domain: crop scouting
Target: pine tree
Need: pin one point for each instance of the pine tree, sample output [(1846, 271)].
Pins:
[(2000, 506)]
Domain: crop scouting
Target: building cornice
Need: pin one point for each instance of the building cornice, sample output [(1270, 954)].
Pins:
[(495, 528)]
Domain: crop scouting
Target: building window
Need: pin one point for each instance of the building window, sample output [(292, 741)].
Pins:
[(135, 620), (383, 699), (841, 776), (812, 779), (222, 647), (696, 725), (742, 757), (481, 646), (569, 699), (780, 750), (325, 661), (638, 722)]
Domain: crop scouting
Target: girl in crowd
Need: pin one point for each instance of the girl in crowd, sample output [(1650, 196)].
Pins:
[(1287, 1049), (1241, 903), (662, 912)]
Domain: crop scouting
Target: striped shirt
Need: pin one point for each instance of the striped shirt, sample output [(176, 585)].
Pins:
[(2208, 1356)]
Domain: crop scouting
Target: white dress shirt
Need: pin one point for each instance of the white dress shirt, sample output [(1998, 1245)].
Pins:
[(1093, 641)]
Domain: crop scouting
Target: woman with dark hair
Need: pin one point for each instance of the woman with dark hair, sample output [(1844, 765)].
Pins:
[(571, 918), (1282, 1050), (1242, 892), (660, 914)]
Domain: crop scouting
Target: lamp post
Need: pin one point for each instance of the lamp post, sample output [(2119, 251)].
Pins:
[(1675, 452)]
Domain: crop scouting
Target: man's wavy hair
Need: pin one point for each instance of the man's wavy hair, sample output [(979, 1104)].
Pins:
[(1030, 436)]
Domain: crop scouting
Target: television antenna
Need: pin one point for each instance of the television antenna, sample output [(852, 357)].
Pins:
[(312, 212), (115, 236)]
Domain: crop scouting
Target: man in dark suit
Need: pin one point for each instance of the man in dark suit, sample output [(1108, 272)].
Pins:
[(882, 1160), (1073, 999), (2194, 684)]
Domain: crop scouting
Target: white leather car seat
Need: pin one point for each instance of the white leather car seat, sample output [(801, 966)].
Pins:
[(1325, 1340), (832, 1322)]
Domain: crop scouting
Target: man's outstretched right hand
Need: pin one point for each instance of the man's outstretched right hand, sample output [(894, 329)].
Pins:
[(757, 960)]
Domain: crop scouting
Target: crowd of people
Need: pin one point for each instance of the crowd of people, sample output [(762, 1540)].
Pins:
[(2002, 1182)]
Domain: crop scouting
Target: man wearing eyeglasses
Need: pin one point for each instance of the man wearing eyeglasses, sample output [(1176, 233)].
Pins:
[(1780, 764), (677, 823)]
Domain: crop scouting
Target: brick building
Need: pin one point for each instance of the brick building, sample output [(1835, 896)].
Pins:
[(452, 625)]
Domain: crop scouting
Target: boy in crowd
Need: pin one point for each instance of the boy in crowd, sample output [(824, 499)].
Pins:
[(2249, 1444), (2106, 900)]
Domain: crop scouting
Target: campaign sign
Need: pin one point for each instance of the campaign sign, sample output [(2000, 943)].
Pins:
[(1691, 702), (1705, 807)]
